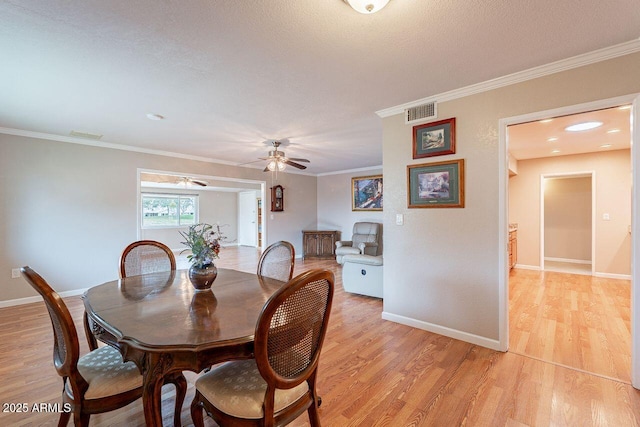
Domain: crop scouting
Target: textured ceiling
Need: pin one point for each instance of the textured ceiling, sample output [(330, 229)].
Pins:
[(229, 74)]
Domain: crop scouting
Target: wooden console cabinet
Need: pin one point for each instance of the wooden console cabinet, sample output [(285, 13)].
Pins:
[(319, 244)]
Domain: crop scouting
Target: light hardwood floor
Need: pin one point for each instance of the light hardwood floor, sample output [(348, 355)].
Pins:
[(572, 319), (372, 372)]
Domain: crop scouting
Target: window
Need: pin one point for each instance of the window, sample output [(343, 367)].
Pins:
[(169, 210)]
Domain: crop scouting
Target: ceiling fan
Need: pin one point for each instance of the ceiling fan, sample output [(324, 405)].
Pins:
[(187, 181), (277, 161)]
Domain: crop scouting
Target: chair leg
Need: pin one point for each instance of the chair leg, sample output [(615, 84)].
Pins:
[(314, 418), (80, 419), (196, 411), (64, 419), (180, 382)]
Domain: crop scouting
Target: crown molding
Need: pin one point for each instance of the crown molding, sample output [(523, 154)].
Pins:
[(113, 146), (351, 171), (521, 76)]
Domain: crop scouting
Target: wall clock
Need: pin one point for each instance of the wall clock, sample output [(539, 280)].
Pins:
[(277, 198)]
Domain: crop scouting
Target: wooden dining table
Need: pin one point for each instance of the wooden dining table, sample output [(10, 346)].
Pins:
[(162, 324)]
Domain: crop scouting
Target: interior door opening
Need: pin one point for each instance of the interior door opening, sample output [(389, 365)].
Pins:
[(598, 216), (567, 226)]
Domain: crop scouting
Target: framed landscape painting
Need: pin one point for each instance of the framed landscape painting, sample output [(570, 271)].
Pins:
[(366, 193), (436, 185), (434, 139)]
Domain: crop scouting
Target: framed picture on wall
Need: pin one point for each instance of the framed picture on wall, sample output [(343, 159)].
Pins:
[(436, 185), (434, 139), (366, 193)]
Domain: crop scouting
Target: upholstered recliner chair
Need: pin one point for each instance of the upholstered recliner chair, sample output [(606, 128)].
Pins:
[(364, 241)]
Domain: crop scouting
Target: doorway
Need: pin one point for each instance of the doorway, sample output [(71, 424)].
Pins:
[(218, 201), (567, 226), (248, 218), (505, 203)]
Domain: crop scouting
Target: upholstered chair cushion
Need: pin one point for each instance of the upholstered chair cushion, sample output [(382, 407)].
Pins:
[(106, 373), (365, 232), (363, 241), (238, 389)]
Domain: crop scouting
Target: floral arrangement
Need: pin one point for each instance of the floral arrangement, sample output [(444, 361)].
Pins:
[(204, 242)]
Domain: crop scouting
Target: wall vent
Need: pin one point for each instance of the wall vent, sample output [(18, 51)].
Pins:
[(420, 113), (85, 135)]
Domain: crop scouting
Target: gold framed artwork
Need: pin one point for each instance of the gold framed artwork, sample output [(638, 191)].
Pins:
[(366, 193)]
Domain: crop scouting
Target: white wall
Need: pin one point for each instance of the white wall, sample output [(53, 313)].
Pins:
[(334, 203), (68, 210), (567, 218), (442, 267)]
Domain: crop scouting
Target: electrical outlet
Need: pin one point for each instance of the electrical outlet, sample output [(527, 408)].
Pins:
[(15, 273)]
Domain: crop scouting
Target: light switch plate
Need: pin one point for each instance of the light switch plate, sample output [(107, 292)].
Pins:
[(399, 219)]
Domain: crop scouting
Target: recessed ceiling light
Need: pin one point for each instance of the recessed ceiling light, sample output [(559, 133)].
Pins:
[(605, 146), (553, 138), (546, 120), (555, 151), (613, 131), (153, 116), (583, 126)]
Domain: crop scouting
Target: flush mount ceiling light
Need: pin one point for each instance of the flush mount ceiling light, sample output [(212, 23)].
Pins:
[(367, 6), (583, 126)]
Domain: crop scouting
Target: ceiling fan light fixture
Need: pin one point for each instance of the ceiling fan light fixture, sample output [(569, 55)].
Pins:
[(367, 7), (274, 165)]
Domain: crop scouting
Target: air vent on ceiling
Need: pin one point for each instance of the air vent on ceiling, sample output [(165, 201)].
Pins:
[(420, 113), (86, 135)]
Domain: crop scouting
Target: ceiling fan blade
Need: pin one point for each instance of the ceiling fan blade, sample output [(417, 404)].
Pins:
[(200, 183), (294, 164), (266, 170), (298, 160)]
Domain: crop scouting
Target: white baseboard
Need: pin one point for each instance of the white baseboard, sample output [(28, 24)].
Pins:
[(568, 260), (29, 300), (442, 330), (528, 267), (612, 276)]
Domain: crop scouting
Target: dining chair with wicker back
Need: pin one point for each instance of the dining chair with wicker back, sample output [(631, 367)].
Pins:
[(277, 261), (146, 256), (98, 381), (280, 383)]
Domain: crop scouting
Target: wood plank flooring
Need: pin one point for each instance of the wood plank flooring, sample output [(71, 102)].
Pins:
[(378, 373), (574, 320)]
